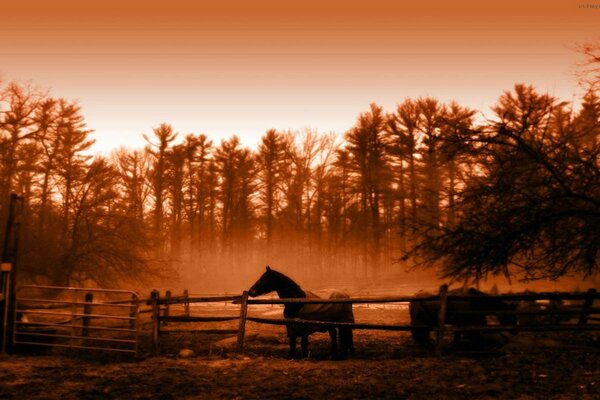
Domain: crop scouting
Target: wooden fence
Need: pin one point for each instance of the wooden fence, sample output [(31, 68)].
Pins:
[(584, 312)]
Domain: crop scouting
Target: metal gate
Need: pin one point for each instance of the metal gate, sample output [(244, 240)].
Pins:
[(76, 318)]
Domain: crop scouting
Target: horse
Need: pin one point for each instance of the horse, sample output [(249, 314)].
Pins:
[(274, 281), (426, 313), (548, 313)]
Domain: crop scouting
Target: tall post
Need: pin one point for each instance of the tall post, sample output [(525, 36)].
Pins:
[(87, 310), (442, 319), (242, 325), (154, 301), (589, 300), (8, 278), (133, 312), (167, 307), (5, 272), (186, 305)]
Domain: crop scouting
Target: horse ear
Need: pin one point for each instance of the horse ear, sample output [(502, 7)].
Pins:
[(268, 268)]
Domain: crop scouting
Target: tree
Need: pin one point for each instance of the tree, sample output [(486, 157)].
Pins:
[(588, 120), (457, 122), (402, 145), (589, 68), (270, 165), (17, 107), (134, 167), (175, 174), (533, 209), (201, 195), (48, 137), (366, 144), (71, 161), (105, 244), (164, 135), (236, 168), (432, 116)]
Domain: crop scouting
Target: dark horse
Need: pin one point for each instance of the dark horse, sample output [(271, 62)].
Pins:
[(426, 313), (272, 280)]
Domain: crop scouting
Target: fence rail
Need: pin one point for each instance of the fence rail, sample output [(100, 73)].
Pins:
[(584, 311), (160, 310), (303, 322)]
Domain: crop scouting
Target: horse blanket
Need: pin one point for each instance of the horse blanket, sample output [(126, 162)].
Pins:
[(341, 312), (332, 312)]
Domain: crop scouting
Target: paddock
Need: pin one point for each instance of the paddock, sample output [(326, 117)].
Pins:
[(117, 321), (577, 314), (387, 363)]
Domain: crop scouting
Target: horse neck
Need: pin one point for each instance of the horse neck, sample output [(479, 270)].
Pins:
[(288, 289)]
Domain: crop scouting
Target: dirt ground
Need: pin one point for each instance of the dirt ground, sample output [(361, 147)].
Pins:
[(386, 365)]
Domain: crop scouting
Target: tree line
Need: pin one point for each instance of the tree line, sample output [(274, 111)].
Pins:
[(428, 182)]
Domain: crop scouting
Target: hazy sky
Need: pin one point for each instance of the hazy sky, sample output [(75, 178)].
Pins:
[(242, 66)]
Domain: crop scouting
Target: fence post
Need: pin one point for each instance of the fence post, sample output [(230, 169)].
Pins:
[(9, 255), (186, 305), (133, 312), (167, 307), (442, 319), (154, 298), (242, 326), (87, 310), (5, 291), (589, 300)]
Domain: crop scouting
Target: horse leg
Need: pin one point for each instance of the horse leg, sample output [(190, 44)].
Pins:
[(457, 339), (292, 353), (421, 337), (304, 345), (334, 347), (345, 342)]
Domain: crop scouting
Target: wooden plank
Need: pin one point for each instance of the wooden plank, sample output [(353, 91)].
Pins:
[(589, 300), (359, 300), (569, 311), (155, 297), (167, 308), (326, 324), (186, 305), (442, 319), (404, 299), (133, 312), (528, 328), (242, 324), (87, 310), (408, 299)]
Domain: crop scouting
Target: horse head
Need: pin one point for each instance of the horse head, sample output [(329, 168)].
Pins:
[(265, 284)]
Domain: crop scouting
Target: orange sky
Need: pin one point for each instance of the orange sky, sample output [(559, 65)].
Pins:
[(243, 66)]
